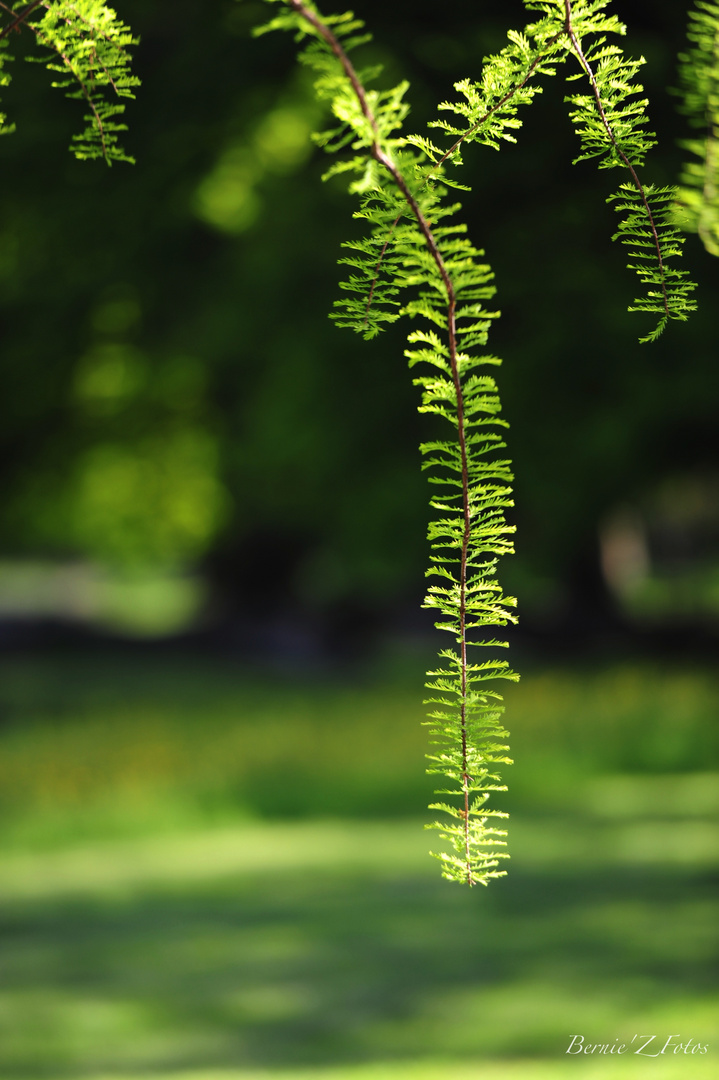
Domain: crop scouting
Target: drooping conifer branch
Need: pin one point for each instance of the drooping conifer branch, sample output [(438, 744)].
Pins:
[(425, 228), (698, 195), (536, 64), (610, 122), (433, 259), (412, 243), (89, 49), (85, 88), (577, 49)]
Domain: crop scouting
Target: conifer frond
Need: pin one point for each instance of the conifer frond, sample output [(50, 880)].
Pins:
[(611, 123), (698, 194), (488, 113), (610, 120), (89, 53), (642, 242), (415, 260)]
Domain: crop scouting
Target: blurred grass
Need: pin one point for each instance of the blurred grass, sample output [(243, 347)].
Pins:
[(111, 745), (268, 947), (207, 874)]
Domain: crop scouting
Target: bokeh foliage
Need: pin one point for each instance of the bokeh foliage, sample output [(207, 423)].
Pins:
[(192, 887), (172, 389)]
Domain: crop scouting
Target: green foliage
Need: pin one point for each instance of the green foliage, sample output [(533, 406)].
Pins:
[(610, 120), (698, 195), (489, 112), (414, 245), (89, 56), (611, 123), (415, 260), (295, 409)]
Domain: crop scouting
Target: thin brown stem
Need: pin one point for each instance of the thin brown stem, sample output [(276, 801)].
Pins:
[(425, 228), (20, 19), (612, 138), (333, 42)]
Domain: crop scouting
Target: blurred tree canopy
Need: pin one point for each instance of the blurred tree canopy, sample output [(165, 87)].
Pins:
[(174, 394)]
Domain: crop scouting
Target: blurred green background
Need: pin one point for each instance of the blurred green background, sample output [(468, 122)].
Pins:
[(209, 872), (212, 548)]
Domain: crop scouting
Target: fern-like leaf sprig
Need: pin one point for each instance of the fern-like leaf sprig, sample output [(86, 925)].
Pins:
[(416, 260), (611, 122), (488, 113), (90, 57)]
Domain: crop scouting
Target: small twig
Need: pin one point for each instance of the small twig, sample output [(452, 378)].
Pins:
[(20, 19)]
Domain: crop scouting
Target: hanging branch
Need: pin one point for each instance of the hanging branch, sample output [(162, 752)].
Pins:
[(611, 123), (429, 255), (89, 51), (412, 243), (492, 105), (698, 195)]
